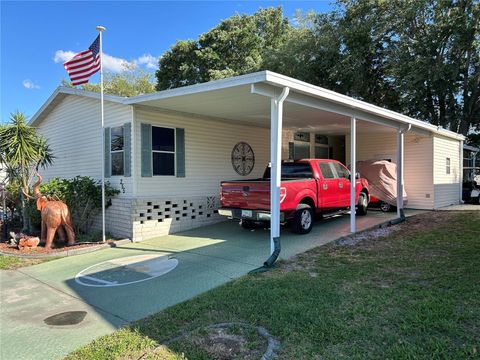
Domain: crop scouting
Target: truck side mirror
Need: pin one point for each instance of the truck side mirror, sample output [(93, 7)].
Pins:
[(357, 176)]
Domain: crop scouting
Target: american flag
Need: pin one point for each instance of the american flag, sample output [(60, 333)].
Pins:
[(84, 64)]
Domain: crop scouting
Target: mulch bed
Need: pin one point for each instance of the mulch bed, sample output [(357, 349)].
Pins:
[(57, 248)]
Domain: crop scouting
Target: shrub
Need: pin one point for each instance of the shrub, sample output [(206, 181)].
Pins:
[(82, 194)]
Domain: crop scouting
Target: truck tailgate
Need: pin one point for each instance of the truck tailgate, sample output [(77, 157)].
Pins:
[(253, 195)]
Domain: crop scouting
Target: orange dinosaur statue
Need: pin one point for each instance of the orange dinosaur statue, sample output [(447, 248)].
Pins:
[(55, 217)]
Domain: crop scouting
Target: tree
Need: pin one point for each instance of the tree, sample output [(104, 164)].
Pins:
[(435, 62), (23, 151), (131, 82), (238, 45), (419, 57)]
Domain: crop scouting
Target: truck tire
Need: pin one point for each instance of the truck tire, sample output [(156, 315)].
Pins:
[(303, 219), (385, 207), (362, 204)]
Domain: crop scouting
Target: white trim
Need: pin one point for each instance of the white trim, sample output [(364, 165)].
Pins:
[(62, 91), (299, 91), (354, 104), (200, 88), (133, 151)]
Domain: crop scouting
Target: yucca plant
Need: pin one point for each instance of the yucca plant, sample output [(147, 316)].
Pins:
[(23, 151)]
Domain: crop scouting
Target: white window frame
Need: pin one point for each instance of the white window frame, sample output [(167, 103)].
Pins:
[(174, 152), (448, 166), (117, 151)]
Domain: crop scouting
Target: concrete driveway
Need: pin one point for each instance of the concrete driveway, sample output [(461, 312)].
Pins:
[(50, 309)]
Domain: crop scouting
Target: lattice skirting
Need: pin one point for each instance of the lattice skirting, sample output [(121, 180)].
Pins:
[(166, 216), (141, 219)]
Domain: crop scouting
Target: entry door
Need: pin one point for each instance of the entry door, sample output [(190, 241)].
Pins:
[(328, 189)]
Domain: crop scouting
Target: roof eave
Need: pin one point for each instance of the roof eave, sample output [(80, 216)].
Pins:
[(306, 88), (63, 91)]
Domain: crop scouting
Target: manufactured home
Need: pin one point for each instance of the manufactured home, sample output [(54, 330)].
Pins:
[(167, 152)]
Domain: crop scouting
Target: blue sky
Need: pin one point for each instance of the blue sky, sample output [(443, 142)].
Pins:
[(38, 36)]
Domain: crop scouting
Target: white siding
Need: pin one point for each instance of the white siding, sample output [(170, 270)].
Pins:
[(418, 164), (73, 130), (208, 147), (447, 186)]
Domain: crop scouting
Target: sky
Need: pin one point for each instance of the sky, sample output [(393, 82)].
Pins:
[(37, 37)]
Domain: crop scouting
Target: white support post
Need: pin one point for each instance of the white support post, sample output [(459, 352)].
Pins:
[(353, 171), (400, 144), (276, 120), (460, 172)]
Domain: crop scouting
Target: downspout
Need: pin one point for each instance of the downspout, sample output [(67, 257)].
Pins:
[(275, 177)]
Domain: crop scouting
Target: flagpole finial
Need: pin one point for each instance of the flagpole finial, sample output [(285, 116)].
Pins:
[(100, 28)]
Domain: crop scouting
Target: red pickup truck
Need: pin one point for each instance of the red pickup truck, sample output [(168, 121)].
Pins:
[(308, 186)]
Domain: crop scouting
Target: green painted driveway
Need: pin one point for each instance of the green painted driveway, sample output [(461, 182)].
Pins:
[(118, 285)]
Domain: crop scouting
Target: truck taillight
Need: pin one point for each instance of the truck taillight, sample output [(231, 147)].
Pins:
[(283, 194)]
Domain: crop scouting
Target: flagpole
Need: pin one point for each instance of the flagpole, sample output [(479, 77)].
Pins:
[(101, 29)]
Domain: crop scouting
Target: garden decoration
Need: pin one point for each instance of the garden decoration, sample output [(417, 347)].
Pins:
[(23, 241), (55, 217)]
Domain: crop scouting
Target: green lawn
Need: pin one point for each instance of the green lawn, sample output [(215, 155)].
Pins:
[(412, 295), (13, 262)]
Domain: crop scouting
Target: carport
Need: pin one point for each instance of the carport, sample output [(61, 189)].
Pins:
[(269, 100)]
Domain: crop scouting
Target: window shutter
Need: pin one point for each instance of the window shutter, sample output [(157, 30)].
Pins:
[(127, 152), (146, 138), (180, 153), (107, 166)]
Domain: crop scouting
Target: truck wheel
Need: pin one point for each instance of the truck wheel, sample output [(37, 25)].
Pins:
[(362, 204), (385, 207), (303, 219)]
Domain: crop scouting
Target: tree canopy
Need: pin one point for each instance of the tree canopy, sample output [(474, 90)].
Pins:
[(419, 57), (131, 82), (238, 45), (23, 151)]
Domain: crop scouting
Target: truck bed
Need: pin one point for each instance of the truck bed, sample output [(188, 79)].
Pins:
[(250, 194)]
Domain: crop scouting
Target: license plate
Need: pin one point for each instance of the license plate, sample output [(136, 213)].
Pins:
[(246, 213)]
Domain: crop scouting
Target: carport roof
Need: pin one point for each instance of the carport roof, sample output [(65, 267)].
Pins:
[(239, 99)]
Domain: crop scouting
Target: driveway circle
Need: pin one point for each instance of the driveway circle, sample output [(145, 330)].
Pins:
[(126, 270)]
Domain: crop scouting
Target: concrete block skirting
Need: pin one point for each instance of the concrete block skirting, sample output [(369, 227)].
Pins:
[(144, 218)]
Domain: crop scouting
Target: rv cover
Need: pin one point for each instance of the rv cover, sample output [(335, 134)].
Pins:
[(382, 179)]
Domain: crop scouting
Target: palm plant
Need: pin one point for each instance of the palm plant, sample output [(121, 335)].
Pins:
[(23, 151)]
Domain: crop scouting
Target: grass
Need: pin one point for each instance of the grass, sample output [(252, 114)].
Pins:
[(14, 262), (411, 295)]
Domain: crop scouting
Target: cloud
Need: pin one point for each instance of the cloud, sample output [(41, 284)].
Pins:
[(111, 63), (29, 84), (148, 60), (62, 56)]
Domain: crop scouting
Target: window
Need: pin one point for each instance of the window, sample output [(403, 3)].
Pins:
[(292, 170), (448, 166), (117, 150), (327, 170), (342, 171), (163, 151)]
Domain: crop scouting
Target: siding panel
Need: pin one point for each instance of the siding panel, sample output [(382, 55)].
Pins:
[(73, 129), (447, 191), (418, 164), (208, 147)]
